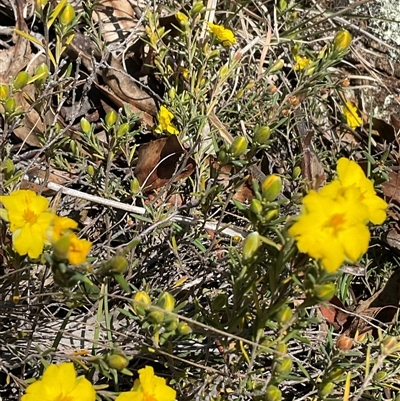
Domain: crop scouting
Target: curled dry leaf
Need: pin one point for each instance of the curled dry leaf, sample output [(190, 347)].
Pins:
[(158, 161)]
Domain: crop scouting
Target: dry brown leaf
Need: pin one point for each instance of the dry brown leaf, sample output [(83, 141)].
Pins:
[(391, 188), (158, 161)]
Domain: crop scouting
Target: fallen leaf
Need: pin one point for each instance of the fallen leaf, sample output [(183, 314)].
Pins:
[(158, 161)]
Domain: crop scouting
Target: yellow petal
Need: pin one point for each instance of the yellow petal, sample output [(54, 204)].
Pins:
[(83, 391)]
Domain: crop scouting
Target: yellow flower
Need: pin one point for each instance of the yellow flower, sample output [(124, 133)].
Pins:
[(148, 387), (59, 383), (164, 122), (301, 62), (78, 249), (351, 174), (352, 118), (59, 226), (332, 230), (29, 220), (223, 35)]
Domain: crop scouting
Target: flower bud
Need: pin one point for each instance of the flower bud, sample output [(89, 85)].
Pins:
[(281, 349), (283, 367), (10, 105), (389, 345), (271, 214), (379, 376), (122, 130), (67, 15), (117, 361), (156, 317), (335, 373), (85, 125), (141, 302), (172, 325), (182, 18), (238, 147), (324, 292), (250, 245), (223, 158), (166, 301), (61, 248), (197, 8), (273, 393), (277, 66), (326, 389), (135, 186), (271, 187), (41, 74), (39, 4), (296, 172), (184, 328), (262, 135), (117, 264), (172, 93), (90, 170), (342, 40), (256, 206), (20, 80), (344, 343), (284, 315), (111, 118), (4, 91)]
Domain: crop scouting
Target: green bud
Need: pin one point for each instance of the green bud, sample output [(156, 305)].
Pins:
[(122, 130), (182, 18), (281, 348), (342, 40), (296, 172), (20, 80), (135, 186), (172, 325), (256, 206), (166, 301), (111, 118), (282, 5), (379, 376), (141, 302), (273, 393), (335, 373), (223, 158), (277, 66), (39, 4), (117, 361), (283, 367), (284, 315), (85, 125), (41, 74), (389, 345), (117, 264), (184, 329), (61, 248), (250, 245), (4, 91), (271, 187), (262, 135), (326, 389), (271, 214), (197, 8), (172, 93), (10, 105), (67, 15), (238, 147), (90, 170), (219, 302), (156, 317), (324, 292)]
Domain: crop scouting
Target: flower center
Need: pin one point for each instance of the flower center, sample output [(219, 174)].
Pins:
[(336, 222), (29, 216)]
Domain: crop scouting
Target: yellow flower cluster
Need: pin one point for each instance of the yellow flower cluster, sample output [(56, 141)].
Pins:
[(223, 35), (60, 383), (350, 113), (33, 225), (165, 124), (301, 62), (333, 223)]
